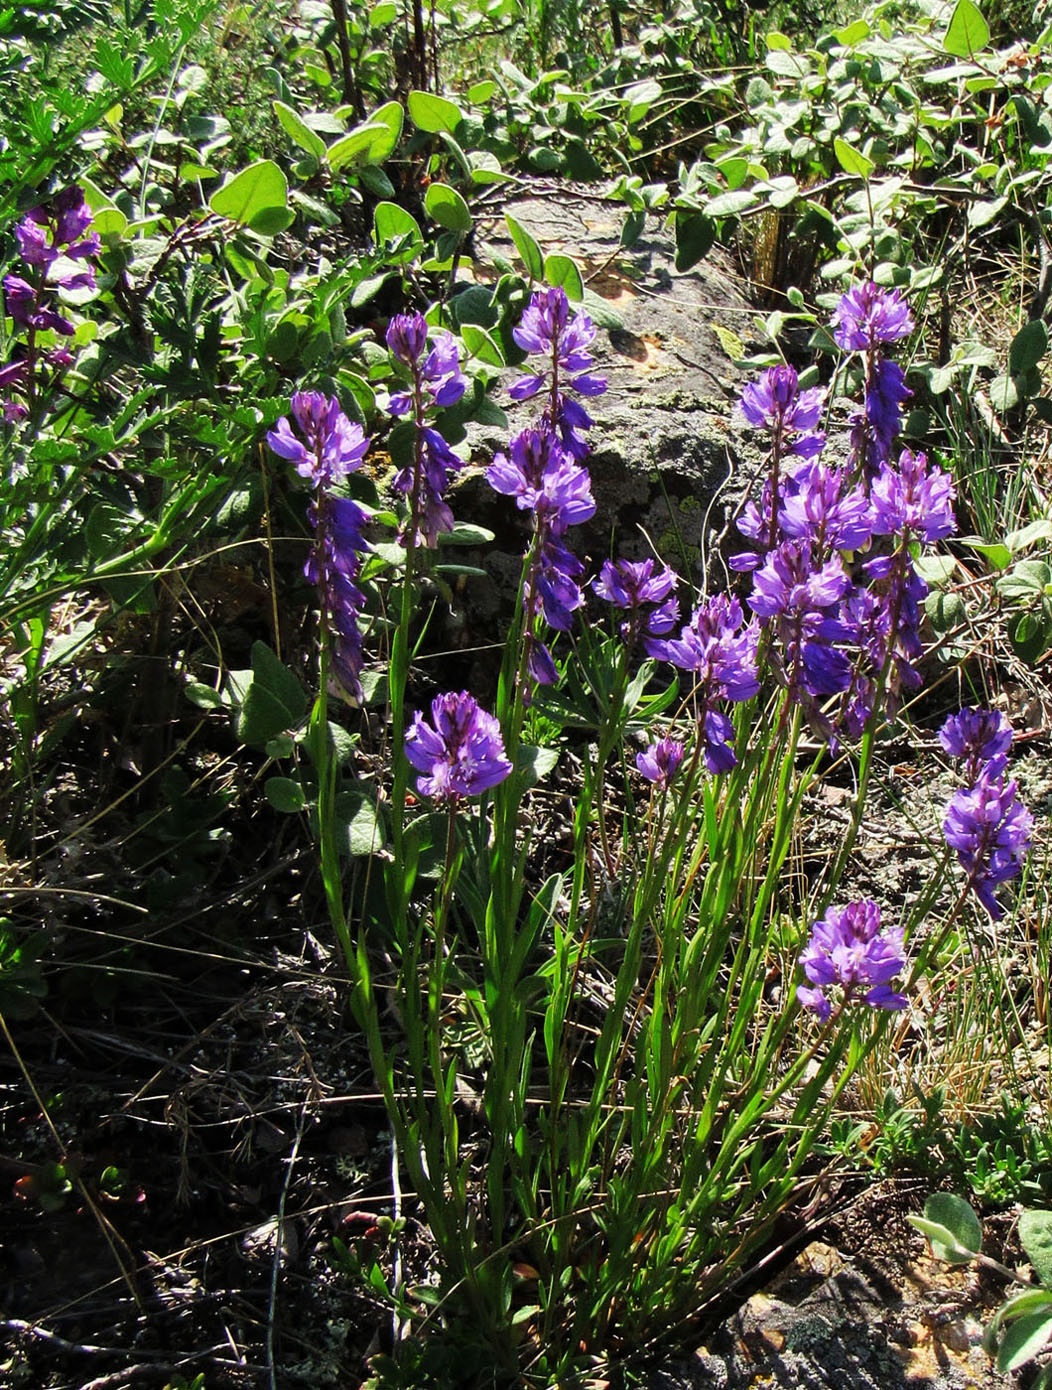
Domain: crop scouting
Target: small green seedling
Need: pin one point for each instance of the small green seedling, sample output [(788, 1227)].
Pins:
[(1021, 1329)]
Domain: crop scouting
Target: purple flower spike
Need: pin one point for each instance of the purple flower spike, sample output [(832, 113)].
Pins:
[(981, 736), (990, 829), (548, 328), (436, 380), (659, 762), (334, 446), (848, 948), (868, 316), (460, 752)]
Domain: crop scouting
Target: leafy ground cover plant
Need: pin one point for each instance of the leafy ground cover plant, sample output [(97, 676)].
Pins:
[(1020, 1331)]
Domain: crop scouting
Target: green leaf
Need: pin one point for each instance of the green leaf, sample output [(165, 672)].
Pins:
[(1028, 347), (852, 33), (364, 828), (984, 212), (785, 64), (391, 224), (730, 204), (433, 113), (695, 236), (370, 142), (729, 342), (284, 795), (851, 160), (203, 696), (259, 189), (481, 92), (1026, 1337), (1035, 1234), (1026, 581), (533, 764), (529, 251), (445, 206), (952, 1228), (274, 701), (465, 533), (561, 270), (479, 343), (996, 554), (106, 218), (1030, 635), (295, 126), (968, 31), (386, 12)]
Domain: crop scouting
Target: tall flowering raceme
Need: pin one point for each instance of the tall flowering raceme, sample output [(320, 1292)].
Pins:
[(985, 823), (548, 329), (542, 468), (866, 320), (546, 481), (56, 248), (435, 381), (331, 448)]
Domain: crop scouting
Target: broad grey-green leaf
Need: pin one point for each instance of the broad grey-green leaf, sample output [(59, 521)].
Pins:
[(296, 127), (445, 206), (1035, 1233), (274, 701), (530, 252), (564, 272), (1028, 347)]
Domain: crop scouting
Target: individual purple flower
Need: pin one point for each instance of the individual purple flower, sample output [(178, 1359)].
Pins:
[(652, 607), (868, 316), (848, 948), (332, 446), (461, 751), (913, 500), (982, 737), (776, 403), (990, 829), (659, 761)]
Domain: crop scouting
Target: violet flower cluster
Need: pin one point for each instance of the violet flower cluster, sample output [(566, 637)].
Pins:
[(985, 823), (849, 949), (330, 449), (865, 321), (652, 608), (843, 631), (56, 248), (719, 649), (460, 752), (542, 469), (435, 381)]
